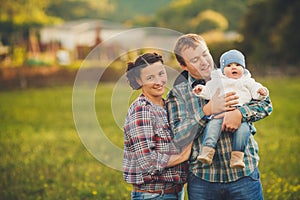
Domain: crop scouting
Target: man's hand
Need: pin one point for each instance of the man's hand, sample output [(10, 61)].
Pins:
[(230, 100), (220, 103), (232, 121)]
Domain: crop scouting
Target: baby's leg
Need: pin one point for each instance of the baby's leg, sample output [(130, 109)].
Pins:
[(211, 135), (212, 132), (240, 139)]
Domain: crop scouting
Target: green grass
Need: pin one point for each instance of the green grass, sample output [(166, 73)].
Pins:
[(278, 138), (42, 156)]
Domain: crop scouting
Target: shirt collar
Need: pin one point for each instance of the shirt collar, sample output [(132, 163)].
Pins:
[(193, 82), (145, 100)]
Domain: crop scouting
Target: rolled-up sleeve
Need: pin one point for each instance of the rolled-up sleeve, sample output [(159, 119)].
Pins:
[(141, 141), (256, 110)]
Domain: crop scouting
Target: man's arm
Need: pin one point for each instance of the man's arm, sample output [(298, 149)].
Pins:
[(256, 110), (186, 117), (251, 112)]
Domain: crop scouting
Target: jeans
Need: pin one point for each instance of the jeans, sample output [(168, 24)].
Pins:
[(154, 196), (246, 188), (213, 130)]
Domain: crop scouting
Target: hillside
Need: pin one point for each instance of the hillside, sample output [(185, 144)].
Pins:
[(128, 9)]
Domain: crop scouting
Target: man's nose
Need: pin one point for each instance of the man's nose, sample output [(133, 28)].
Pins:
[(203, 61)]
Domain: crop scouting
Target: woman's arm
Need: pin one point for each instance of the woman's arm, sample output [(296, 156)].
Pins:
[(183, 156), (141, 141), (144, 149)]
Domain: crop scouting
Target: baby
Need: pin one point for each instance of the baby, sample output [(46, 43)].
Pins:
[(233, 76)]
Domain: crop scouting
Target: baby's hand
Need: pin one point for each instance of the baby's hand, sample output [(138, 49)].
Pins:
[(197, 89), (262, 91)]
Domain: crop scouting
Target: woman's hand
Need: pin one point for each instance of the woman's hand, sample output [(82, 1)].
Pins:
[(179, 158)]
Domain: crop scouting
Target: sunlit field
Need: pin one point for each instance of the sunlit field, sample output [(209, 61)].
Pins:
[(42, 156)]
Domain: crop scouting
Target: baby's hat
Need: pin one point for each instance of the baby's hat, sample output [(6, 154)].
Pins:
[(232, 56)]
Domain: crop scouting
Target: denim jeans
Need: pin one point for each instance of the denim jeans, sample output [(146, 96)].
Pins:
[(246, 188), (153, 196), (241, 137), (213, 130)]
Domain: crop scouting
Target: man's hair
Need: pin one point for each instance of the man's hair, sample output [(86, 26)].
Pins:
[(184, 42)]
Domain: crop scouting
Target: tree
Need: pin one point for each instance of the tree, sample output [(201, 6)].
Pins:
[(271, 30), (208, 20), (179, 12), (18, 16), (72, 10)]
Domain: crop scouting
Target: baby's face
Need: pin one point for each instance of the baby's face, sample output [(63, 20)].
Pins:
[(233, 70)]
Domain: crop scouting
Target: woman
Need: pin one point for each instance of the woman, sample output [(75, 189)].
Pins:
[(152, 164)]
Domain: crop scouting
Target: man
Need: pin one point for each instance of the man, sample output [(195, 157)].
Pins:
[(188, 115)]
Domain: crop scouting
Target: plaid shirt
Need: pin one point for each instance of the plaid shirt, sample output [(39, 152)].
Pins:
[(187, 122), (148, 147)]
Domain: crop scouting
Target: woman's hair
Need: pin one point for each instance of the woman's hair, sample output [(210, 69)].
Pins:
[(184, 42), (133, 71)]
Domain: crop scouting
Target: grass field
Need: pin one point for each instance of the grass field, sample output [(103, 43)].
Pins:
[(42, 156)]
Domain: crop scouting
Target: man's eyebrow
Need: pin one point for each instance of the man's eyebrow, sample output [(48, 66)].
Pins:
[(205, 51)]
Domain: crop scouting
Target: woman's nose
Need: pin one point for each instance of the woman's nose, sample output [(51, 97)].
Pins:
[(160, 80)]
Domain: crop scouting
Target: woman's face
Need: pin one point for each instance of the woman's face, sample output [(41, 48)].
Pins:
[(153, 80)]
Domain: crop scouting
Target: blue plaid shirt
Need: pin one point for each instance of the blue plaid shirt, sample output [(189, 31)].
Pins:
[(187, 123)]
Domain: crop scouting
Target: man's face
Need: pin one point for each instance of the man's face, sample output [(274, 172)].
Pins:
[(198, 61)]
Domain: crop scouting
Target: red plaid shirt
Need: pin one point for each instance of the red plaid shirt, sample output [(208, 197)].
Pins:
[(148, 147)]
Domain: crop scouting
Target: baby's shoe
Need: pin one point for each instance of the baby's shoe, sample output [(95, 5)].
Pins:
[(206, 155), (237, 159)]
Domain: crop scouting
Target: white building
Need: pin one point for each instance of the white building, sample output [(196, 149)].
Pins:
[(116, 39), (79, 33)]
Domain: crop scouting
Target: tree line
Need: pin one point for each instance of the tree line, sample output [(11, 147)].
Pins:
[(268, 28)]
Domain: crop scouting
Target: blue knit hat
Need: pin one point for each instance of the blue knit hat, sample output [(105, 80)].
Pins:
[(232, 56)]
